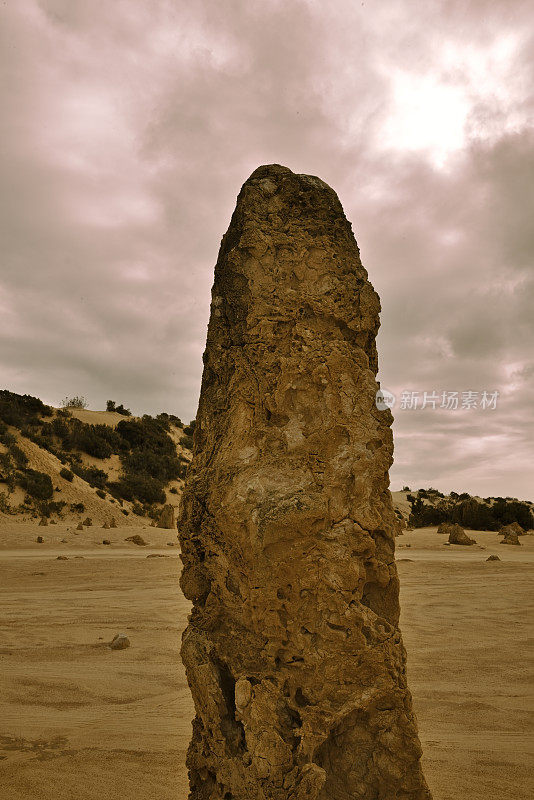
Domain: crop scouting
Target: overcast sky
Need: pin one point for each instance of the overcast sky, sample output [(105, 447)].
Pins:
[(129, 126)]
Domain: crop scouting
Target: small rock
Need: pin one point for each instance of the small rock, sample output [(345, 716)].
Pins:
[(171, 544), (119, 642), (39, 539), (157, 555), (493, 558), (79, 527), (136, 539), (88, 522), (105, 526), (53, 522), (112, 524), (64, 541), (62, 558), (106, 541)]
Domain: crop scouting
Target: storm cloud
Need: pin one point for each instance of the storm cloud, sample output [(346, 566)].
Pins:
[(129, 127)]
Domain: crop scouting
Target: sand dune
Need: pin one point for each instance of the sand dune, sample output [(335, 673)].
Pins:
[(78, 720)]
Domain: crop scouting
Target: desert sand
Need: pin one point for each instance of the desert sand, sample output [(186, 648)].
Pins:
[(78, 720)]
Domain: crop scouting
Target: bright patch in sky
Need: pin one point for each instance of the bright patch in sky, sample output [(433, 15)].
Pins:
[(426, 115)]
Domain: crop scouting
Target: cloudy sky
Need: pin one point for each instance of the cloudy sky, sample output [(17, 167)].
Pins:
[(128, 127)]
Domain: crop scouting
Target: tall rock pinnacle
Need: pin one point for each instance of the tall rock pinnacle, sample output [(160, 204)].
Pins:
[(293, 651)]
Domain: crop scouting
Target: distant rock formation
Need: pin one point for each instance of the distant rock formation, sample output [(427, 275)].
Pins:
[(513, 528), (166, 517), (293, 651), (510, 535), (457, 535), (444, 527)]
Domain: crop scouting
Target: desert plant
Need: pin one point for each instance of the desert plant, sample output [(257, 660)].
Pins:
[(67, 474), (77, 401), (36, 484)]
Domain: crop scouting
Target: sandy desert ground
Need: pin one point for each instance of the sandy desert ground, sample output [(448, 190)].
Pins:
[(78, 720)]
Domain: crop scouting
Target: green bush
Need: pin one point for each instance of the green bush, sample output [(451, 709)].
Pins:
[(67, 474), (138, 487), (36, 484), (95, 477), (78, 401), (22, 409)]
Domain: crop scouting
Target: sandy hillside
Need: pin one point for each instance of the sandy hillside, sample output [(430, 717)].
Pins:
[(80, 721), (78, 490)]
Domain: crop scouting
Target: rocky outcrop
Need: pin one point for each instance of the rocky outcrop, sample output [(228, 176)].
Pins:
[(166, 517), (510, 535), (513, 529), (445, 527), (293, 651), (457, 535)]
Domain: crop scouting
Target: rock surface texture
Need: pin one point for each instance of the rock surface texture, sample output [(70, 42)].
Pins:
[(293, 651)]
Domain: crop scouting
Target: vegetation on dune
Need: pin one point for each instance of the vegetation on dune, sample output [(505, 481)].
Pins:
[(487, 515), (78, 401), (119, 409), (145, 447)]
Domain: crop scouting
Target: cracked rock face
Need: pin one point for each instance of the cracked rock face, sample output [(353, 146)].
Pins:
[(293, 651)]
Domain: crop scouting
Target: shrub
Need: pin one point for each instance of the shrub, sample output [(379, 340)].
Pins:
[(187, 442), (22, 409), (138, 509), (78, 401), (110, 405), (36, 484), (77, 508), (95, 477), (67, 474), (101, 493), (140, 487)]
